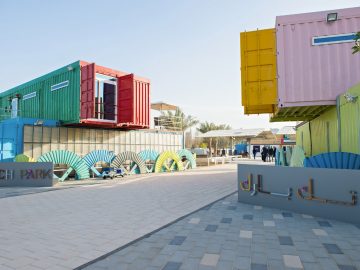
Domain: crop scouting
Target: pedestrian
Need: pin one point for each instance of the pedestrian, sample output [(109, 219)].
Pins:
[(271, 153), (264, 154), (254, 152)]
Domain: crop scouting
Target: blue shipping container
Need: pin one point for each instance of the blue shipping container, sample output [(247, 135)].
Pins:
[(12, 135)]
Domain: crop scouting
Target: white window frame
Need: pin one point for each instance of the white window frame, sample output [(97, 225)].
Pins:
[(332, 42), (29, 96), (59, 86)]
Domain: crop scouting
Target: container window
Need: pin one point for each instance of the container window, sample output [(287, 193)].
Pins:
[(333, 39), (28, 96), (59, 85), (14, 107)]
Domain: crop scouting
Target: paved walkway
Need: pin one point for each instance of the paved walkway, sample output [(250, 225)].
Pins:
[(66, 228), (231, 235)]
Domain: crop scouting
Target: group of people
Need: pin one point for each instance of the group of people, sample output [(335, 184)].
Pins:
[(267, 153)]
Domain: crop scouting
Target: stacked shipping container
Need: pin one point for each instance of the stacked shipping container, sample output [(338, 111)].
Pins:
[(314, 64), (85, 94), (258, 71)]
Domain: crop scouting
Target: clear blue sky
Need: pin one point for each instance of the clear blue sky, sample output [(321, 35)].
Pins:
[(189, 48)]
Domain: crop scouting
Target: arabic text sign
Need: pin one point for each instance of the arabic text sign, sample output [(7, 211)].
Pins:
[(26, 174), (328, 193)]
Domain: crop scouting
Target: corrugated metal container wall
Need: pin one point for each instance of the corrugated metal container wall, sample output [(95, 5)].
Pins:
[(55, 95), (133, 102), (319, 135), (324, 129), (324, 133), (350, 121), (303, 138), (313, 66), (39, 140), (258, 71), (11, 136)]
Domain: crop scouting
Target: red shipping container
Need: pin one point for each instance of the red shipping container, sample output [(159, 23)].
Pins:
[(133, 102), (133, 99)]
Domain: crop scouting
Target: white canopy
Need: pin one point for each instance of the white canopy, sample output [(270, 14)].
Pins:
[(246, 133), (232, 133), (287, 130)]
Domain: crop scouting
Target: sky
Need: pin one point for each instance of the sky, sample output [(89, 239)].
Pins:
[(189, 49)]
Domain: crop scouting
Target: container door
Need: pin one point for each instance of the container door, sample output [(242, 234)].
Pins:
[(126, 99), (14, 107), (87, 91), (258, 71), (109, 101)]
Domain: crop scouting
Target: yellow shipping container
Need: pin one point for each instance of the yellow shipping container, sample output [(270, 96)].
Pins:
[(258, 71)]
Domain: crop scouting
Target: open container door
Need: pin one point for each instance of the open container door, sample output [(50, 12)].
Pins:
[(87, 91), (109, 101), (133, 102)]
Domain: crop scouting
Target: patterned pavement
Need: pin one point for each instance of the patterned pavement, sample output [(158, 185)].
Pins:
[(232, 235), (68, 227)]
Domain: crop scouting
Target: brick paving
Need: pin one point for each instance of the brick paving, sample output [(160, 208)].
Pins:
[(66, 228), (236, 236)]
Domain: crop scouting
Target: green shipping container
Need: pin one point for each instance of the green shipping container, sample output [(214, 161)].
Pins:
[(84, 94), (350, 120), (322, 134), (55, 95)]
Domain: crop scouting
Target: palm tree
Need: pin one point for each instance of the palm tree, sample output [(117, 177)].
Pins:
[(206, 127), (178, 121), (223, 140), (356, 48)]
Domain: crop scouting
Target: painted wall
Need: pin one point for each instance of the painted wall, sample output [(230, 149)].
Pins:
[(309, 74)]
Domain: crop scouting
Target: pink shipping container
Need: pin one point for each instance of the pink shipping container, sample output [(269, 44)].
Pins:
[(315, 61)]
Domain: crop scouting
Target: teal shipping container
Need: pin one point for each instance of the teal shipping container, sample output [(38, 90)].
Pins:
[(82, 94)]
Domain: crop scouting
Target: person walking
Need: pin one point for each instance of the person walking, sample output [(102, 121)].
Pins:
[(254, 152), (271, 153), (264, 154)]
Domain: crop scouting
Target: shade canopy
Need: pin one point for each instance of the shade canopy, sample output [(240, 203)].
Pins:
[(162, 106), (248, 133), (244, 133), (287, 130)]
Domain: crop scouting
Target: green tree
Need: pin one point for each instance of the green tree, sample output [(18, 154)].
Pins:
[(177, 120), (356, 48), (206, 127), (222, 141)]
